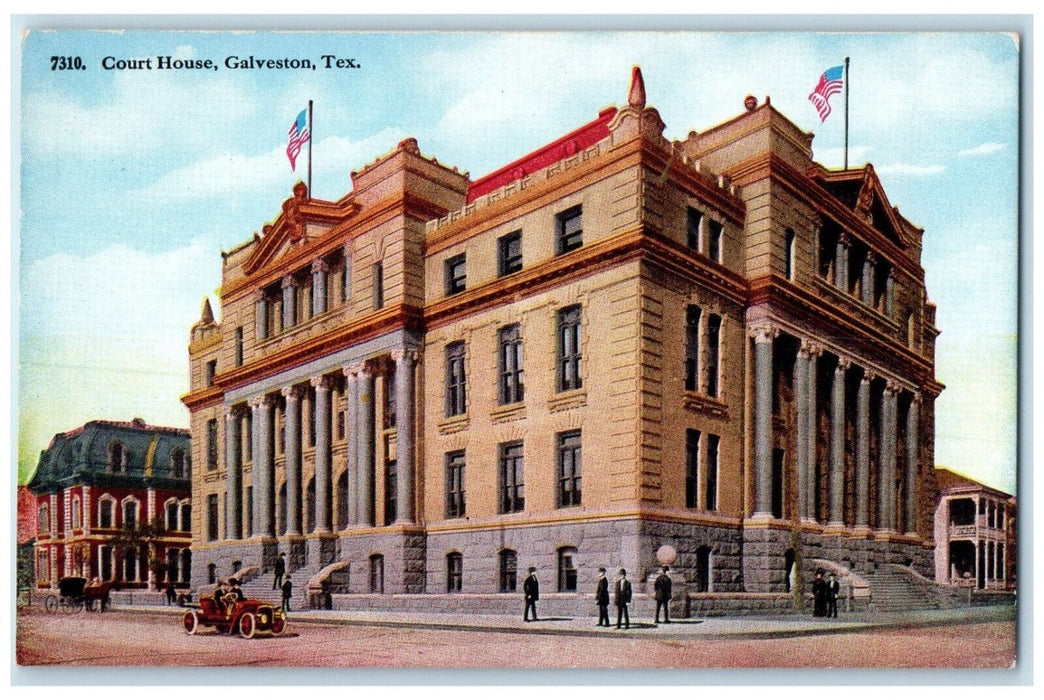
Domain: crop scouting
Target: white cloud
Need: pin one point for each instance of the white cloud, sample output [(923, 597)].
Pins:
[(911, 169), (983, 149)]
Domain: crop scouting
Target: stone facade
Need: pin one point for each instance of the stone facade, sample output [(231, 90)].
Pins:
[(615, 343)]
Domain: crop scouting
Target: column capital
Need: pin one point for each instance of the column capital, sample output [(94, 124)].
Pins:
[(871, 257), (289, 281), (845, 238), (400, 354), (320, 265), (234, 411), (365, 371), (323, 381), (892, 387), (353, 368), (268, 400), (763, 332), (843, 363), (868, 376), (292, 393), (256, 401)]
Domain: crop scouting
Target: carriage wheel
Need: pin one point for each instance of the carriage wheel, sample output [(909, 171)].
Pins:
[(51, 604), (191, 621), (278, 624), (247, 625), (71, 605)]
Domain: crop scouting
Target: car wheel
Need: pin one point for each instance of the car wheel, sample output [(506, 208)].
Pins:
[(247, 625), (51, 603), (191, 622), (278, 624)]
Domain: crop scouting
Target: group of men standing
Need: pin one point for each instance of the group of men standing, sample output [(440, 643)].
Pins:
[(622, 592), (825, 594)]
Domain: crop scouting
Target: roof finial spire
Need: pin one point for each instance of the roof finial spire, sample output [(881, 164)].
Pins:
[(636, 97), (208, 313)]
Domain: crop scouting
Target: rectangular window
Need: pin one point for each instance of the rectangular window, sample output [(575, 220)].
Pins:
[(454, 572), (788, 253), (376, 574), (391, 482), (212, 517), (692, 468), (712, 472), (508, 571), (248, 438), (509, 253), (569, 349), (569, 468), (456, 274), (346, 280), (692, 228), (714, 229), (186, 517), (389, 401), (692, 347), (239, 346), (212, 444), (172, 516), (456, 382), (569, 231), (378, 286), (512, 483), (209, 370), (455, 470), (248, 496), (512, 386), (104, 516), (713, 353)]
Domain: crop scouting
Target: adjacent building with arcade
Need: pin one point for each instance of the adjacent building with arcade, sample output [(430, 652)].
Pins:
[(614, 343), (113, 502)]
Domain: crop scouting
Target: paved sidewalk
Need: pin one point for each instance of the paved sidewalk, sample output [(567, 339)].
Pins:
[(730, 627)]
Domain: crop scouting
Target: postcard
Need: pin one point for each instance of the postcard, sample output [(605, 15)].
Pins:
[(517, 350)]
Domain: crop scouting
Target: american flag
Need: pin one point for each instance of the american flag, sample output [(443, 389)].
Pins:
[(830, 83), (298, 135)]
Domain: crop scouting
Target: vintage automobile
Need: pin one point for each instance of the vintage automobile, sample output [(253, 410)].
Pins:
[(245, 617)]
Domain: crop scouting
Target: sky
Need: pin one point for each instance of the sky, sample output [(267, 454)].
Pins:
[(133, 181)]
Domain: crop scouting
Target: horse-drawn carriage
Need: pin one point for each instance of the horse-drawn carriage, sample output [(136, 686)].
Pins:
[(228, 616), (74, 595)]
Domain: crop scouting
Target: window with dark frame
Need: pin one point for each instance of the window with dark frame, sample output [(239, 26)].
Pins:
[(569, 459), (172, 516), (713, 353), (512, 478), (186, 517), (376, 574), (212, 444), (508, 571), (104, 514), (512, 386), (248, 511), (212, 517), (311, 417), (567, 570), (692, 468), (509, 253), (692, 347), (455, 493), (43, 518), (569, 230), (248, 438), (378, 285), (714, 230), (712, 472), (239, 346), (454, 572), (456, 274), (456, 380), (209, 370), (569, 349), (390, 491), (692, 228), (788, 252)]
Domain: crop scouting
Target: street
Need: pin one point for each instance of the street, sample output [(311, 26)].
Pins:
[(147, 638)]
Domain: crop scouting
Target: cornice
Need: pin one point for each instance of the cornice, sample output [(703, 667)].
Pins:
[(693, 182), (203, 398)]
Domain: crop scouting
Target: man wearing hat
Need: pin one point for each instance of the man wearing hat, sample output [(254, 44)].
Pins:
[(280, 570), (662, 587), (602, 598), (623, 599), (531, 591)]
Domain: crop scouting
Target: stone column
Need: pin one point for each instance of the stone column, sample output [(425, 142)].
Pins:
[(802, 437), (319, 270), (913, 441), (763, 338), (322, 453), (289, 302), (255, 461), (404, 376), (863, 451), (233, 475), (351, 400), (365, 438), (261, 319), (264, 467), (841, 262), (837, 444), (890, 295), (346, 294), (292, 450), (868, 279), (886, 492), (811, 429)]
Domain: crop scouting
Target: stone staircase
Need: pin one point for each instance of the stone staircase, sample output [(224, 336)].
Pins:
[(258, 585), (898, 589)]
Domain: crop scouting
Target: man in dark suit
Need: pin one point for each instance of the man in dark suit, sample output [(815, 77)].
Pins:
[(531, 591), (663, 595), (280, 569), (833, 590), (602, 598), (288, 591), (623, 599)]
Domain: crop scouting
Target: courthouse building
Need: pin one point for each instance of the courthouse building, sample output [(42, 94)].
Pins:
[(96, 483), (614, 343)]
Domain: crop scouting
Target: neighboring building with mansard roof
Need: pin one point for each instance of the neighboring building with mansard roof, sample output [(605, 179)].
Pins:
[(97, 480), (614, 343)]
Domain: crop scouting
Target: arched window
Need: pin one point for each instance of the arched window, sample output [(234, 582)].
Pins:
[(106, 511), (186, 515), (376, 573), (508, 571), (454, 572), (117, 457), (77, 516), (186, 565), (170, 511), (130, 513), (177, 463), (130, 564), (43, 519), (212, 573), (567, 569)]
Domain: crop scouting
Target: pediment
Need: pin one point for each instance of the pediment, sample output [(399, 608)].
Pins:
[(302, 220), (862, 192)]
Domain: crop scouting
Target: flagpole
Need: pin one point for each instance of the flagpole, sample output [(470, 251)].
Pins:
[(846, 121), (311, 131)]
